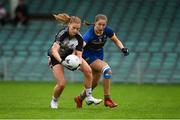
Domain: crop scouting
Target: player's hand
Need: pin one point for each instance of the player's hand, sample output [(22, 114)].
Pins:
[(64, 63), (61, 61), (125, 51)]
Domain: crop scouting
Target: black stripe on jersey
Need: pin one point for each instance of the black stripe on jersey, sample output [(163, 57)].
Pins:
[(79, 47)]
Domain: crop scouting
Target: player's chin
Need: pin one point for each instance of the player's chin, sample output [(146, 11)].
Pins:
[(73, 34)]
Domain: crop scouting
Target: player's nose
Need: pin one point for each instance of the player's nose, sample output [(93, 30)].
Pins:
[(75, 31), (100, 27)]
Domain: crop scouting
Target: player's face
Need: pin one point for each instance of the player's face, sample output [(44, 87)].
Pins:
[(74, 28), (100, 25)]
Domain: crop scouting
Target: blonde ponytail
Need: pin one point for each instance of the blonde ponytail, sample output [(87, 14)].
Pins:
[(66, 19), (87, 23), (62, 18)]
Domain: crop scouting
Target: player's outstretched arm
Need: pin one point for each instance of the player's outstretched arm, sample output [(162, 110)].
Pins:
[(119, 44)]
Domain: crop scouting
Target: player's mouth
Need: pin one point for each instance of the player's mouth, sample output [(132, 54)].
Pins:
[(72, 34)]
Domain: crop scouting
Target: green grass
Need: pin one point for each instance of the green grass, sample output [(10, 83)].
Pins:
[(31, 100)]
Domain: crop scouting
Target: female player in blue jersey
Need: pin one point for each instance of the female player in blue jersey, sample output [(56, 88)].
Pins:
[(95, 38), (68, 41)]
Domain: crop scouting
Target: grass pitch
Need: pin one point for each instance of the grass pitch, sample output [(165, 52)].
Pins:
[(30, 100)]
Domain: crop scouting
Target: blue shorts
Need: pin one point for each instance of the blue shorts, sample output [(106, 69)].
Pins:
[(91, 56)]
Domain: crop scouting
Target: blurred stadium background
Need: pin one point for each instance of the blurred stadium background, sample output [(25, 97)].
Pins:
[(149, 28)]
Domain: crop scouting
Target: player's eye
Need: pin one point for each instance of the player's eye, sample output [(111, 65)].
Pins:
[(78, 29), (100, 24), (75, 28)]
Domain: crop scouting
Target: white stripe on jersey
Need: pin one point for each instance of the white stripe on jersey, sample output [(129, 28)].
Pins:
[(61, 33), (80, 34), (84, 43)]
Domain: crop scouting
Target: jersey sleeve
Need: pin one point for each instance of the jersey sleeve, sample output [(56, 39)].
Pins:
[(109, 32), (79, 47), (60, 36)]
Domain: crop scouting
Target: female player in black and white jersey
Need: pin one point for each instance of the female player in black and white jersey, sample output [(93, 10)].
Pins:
[(68, 41)]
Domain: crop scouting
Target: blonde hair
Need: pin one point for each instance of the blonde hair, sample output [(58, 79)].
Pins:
[(97, 18), (66, 19)]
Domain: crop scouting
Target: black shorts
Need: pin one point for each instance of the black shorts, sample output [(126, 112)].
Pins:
[(52, 61)]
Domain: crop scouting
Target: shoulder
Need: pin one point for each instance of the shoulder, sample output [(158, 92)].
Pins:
[(62, 32), (108, 29), (109, 32)]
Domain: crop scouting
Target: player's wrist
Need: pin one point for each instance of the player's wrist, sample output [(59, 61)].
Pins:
[(60, 61)]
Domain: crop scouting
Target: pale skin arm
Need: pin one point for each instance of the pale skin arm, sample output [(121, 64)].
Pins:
[(55, 48), (117, 42)]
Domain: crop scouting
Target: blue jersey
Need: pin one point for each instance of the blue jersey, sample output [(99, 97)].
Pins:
[(94, 44)]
